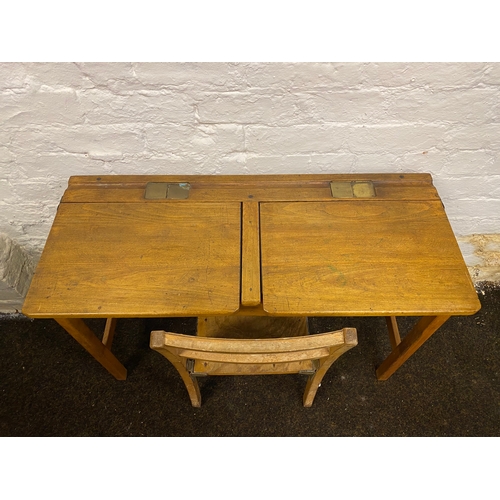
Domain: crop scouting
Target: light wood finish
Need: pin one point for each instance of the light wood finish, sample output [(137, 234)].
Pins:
[(421, 332), (364, 258), (250, 255), (260, 246), (109, 332), (397, 180), (251, 356), (204, 367), (180, 364), (252, 327), (88, 340), (392, 326), (139, 260), (131, 189), (314, 381)]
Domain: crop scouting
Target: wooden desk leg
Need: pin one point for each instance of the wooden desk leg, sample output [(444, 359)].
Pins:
[(425, 327), (109, 332), (88, 340)]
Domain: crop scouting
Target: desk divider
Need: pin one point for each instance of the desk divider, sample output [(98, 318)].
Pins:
[(250, 254)]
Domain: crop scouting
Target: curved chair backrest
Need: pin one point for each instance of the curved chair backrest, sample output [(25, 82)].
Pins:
[(275, 350), (313, 354)]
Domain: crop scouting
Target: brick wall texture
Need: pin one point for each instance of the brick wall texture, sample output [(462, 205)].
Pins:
[(63, 119)]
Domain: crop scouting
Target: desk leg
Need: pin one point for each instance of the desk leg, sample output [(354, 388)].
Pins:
[(88, 340), (425, 327)]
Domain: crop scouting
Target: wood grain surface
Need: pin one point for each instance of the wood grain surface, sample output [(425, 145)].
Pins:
[(111, 253), (131, 189), (139, 260), (383, 258), (250, 255), (241, 251)]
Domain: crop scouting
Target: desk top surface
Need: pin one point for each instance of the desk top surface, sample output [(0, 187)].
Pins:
[(113, 252)]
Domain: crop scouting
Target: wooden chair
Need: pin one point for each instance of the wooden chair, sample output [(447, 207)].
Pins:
[(308, 354)]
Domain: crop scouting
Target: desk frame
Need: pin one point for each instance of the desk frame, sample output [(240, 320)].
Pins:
[(250, 191)]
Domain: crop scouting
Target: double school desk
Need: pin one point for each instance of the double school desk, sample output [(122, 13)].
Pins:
[(278, 247)]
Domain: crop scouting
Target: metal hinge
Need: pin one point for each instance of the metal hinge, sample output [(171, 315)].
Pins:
[(165, 190), (312, 370), (355, 189), (190, 369)]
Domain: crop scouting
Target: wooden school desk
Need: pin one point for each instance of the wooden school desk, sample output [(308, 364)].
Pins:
[(222, 247)]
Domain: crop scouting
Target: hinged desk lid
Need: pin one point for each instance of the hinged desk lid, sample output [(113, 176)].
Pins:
[(139, 260), (362, 257)]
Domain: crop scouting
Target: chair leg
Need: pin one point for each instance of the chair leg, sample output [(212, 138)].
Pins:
[(190, 382), (311, 389), (192, 387), (314, 381)]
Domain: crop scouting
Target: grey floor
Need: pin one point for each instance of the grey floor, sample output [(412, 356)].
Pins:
[(49, 386)]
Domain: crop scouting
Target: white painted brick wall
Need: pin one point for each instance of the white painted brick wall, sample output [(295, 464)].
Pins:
[(63, 119)]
